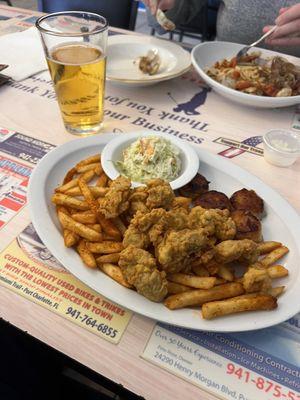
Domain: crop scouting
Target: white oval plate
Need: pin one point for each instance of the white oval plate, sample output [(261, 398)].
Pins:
[(123, 50), (113, 152), (282, 223), (206, 54)]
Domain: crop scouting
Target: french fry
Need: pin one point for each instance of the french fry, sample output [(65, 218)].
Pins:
[(86, 255), (62, 209), (109, 238), (235, 305), (98, 169), (107, 225), (89, 197), (69, 175), (85, 168), (247, 295), (76, 227), (174, 288), (70, 238), (73, 211), (200, 270), (119, 224), (277, 271), (102, 180), (199, 297), (88, 160), (96, 191), (109, 258), (96, 227), (198, 282), (115, 273), (64, 200), (267, 247), (274, 256), (73, 192), (276, 291), (220, 281), (225, 273), (87, 176), (105, 247), (109, 228), (85, 218)]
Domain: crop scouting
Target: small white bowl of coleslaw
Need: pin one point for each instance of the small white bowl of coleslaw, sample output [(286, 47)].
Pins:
[(141, 156)]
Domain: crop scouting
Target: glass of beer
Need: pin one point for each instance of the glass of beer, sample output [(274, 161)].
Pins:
[(75, 48)]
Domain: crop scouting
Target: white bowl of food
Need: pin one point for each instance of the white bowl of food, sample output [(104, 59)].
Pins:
[(258, 92), (141, 156)]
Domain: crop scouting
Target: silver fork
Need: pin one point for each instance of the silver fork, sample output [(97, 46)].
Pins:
[(245, 49)]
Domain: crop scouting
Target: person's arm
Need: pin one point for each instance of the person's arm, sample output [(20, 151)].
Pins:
[(162, 4), (178, 11), (288, 31)]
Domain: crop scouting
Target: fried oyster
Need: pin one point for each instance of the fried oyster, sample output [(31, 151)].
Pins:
[(160, 194), (236, 250), (140, 270), (214, 222), (176, 247), (150, 227), (156, 194), (115, 202), (257, 279)]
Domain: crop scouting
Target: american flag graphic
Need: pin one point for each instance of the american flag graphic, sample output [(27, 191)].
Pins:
[(233, 152)]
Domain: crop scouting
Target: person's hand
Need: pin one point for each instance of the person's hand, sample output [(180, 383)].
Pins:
[(288, 31), (162, 4)]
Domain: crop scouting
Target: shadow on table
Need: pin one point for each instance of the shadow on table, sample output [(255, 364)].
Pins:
[(30, 370)]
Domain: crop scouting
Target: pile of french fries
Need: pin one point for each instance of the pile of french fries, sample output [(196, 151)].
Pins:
[(213, 287), (220, 293), (97, 240)]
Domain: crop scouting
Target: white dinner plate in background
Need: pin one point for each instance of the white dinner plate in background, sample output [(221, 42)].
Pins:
[(123, 52), (205, 55)]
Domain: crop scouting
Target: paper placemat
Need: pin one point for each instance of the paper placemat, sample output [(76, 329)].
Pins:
[(14, 174), (263, 364), (29, 269)]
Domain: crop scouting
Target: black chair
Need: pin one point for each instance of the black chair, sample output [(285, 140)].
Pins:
[(119, 13)]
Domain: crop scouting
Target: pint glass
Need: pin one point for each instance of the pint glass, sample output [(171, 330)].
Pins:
[(75, 48)]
